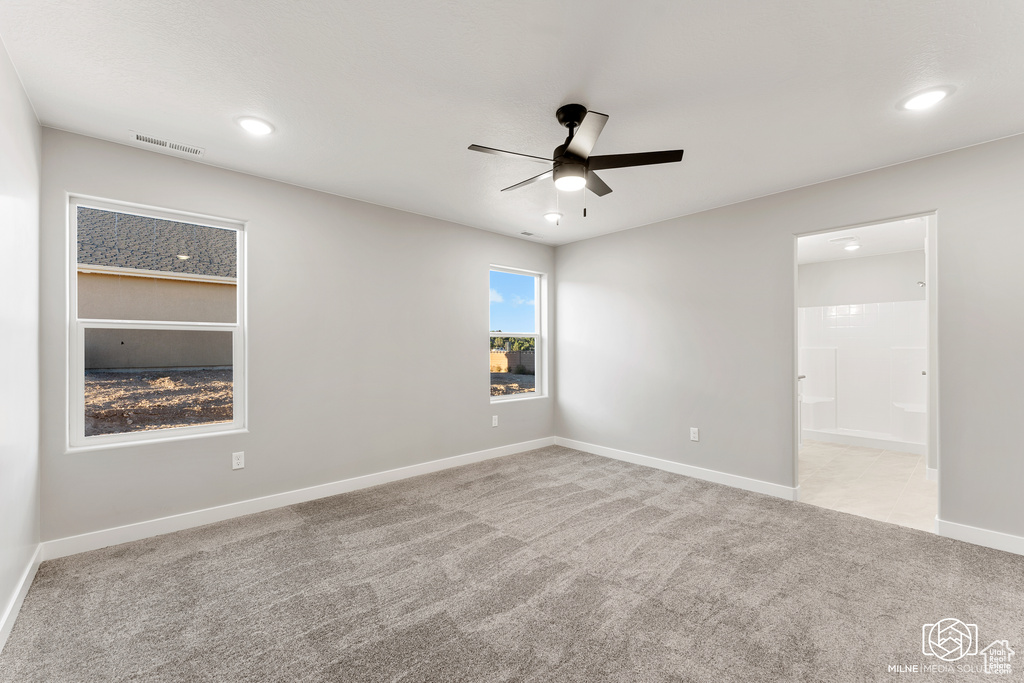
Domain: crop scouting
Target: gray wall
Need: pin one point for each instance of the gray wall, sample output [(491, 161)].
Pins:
[(866, 280), (19, 331), (341, 284), (703, 308)]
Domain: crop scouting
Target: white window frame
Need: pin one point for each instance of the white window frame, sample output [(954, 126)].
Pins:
[(539, 337), (76, 439)]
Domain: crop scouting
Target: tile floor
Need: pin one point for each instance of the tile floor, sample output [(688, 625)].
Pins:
[(885, 485)]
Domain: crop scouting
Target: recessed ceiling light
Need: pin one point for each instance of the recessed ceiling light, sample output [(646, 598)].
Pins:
[(926, 99), (847, 242), (553, 216), (256, 126), (183, 257)]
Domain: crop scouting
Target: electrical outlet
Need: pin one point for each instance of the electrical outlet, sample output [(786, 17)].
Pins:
[(494, 420), (238, 460), (694, 434)]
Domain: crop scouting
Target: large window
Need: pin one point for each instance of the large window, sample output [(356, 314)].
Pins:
[(156, 335), (515, 322)]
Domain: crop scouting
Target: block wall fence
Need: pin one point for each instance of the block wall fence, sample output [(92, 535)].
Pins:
[(508, 361)]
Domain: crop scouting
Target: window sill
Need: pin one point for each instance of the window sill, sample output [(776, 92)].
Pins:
[(514, 398), (145, 442)]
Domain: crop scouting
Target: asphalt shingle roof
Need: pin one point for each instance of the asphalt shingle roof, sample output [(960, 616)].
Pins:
[(108, 238)]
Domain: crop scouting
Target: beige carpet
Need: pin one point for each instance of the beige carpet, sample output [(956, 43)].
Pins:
[(552, 565)]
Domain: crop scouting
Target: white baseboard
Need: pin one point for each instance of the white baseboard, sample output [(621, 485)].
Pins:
[(133, 532), (978, 536), (931, 474), (14, 605), (757, 485), (865, 441)]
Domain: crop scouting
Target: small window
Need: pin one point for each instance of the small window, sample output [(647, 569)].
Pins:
[(515, 322), (157, 345)]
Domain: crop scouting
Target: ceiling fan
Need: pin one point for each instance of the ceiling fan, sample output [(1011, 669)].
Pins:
[(571, 164)]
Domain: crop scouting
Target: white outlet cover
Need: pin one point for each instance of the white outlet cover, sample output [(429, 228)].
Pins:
[(238, 460)]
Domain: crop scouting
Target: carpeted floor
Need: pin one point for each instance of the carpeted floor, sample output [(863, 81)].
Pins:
[(552, 565)]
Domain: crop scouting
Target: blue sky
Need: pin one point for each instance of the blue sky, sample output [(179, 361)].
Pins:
[(512, 302)]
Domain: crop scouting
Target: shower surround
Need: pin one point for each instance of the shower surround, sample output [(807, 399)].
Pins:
[(864, 379)]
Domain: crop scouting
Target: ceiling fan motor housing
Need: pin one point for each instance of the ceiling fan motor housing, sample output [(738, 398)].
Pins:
[(567, 165), (570, 169)]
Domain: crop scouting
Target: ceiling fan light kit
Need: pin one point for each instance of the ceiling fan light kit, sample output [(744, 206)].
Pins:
[(572, 165), (570, 177)]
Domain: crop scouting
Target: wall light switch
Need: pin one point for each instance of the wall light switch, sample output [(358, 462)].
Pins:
[(238, 460), (694, 434)]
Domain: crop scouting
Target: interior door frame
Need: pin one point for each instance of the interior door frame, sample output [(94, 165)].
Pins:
[(933, 449)]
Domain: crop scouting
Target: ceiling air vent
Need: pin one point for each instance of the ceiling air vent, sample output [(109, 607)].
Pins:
[(528, 234), (161, 145)]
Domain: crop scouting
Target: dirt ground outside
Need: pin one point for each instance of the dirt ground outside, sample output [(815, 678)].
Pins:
[(117, 402), (506, 383)]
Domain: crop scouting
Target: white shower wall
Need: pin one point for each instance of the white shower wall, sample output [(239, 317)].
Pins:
[(863, 368)]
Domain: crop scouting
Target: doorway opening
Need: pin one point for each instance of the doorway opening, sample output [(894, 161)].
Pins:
[(866, 422)]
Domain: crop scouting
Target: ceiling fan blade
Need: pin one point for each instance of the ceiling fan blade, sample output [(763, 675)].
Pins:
[(503, 153), (638, 159), (542, 176), (585, 137), (596, 185)]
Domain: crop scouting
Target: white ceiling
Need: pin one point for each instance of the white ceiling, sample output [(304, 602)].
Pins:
[(378, 100), (883, 238)]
